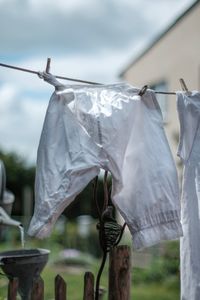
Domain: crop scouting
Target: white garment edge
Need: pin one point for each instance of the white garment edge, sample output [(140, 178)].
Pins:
[(190, 202)]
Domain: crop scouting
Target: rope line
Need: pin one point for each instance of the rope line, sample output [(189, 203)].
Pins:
[(67, 78)]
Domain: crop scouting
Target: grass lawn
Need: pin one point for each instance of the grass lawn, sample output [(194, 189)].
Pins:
[(153, 292)]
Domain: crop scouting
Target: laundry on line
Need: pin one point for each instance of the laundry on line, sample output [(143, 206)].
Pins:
[(96, 126)]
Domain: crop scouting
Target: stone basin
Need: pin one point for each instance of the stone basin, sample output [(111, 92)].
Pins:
[(24, 264)]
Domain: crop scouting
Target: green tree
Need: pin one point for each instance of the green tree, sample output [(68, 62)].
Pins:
[(18, 175)]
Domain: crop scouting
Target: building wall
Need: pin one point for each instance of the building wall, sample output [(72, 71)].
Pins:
[(176, 55)]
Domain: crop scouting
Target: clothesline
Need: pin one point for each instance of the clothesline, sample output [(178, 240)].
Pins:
[(83, 81), (37, 73)]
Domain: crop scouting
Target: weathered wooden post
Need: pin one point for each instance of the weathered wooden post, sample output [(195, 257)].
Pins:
[(12, 289), (120, 273), (37, 292), (60, 288), (88, 286)]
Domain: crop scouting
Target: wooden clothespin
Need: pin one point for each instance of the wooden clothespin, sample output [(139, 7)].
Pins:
[(143, 90), (48, 65), (183, 85)]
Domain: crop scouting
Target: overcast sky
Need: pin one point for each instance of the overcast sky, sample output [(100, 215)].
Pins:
[(87, 39)]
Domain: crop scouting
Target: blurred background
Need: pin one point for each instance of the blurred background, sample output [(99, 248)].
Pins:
[(141, 42)]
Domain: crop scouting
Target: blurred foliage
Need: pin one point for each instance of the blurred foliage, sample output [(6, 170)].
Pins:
[(70, 238), (164, 267), (84, 204), (18, 175)]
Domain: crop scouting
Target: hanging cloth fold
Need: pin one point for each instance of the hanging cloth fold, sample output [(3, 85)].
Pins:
[(188, 106), (107, 126)]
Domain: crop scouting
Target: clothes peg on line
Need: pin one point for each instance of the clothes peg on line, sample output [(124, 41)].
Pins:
[(143, 90), (183, 85), (48, 65)]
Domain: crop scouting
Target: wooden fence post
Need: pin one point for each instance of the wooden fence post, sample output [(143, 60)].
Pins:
[(12, 289), (88, 286), (120, 273), (37, 292), (60, 288)]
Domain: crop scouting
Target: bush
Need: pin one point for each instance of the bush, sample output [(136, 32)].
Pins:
[(164, 268)]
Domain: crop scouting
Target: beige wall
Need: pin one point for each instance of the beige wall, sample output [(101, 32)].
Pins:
[(175, 55)]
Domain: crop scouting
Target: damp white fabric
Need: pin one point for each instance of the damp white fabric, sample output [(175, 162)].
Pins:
[(188, 105), (87, 128)]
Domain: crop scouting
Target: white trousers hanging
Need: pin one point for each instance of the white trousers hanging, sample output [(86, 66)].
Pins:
[(109, 126)]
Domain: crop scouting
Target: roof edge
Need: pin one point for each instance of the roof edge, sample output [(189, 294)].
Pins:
[(158, 38)]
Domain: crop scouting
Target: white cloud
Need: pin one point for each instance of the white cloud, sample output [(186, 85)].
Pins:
[(21, 122), (48, 27), (86, 39), (7, 93), (62, 5)]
